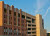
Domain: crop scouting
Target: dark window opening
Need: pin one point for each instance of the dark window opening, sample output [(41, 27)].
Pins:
[(33, 20), (18, 15), (33, 28), (14, 23), (28, 17), (33, 35), (18, 24), (34, 25), (29, 24), (29, 28), (29, 32), (5, 10), (14, 13), (43, 23), (5, 16), (14, 19), (9, 11), (23, 16), (33, 32), (29, 21)]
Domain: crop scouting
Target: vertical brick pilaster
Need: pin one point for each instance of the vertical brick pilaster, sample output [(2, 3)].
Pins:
[(16, 16), (20, 20), (12, 20), (25, 27), (7, 7)]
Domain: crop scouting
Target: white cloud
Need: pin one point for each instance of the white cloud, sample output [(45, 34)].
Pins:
[(46, 11), (40, 5)]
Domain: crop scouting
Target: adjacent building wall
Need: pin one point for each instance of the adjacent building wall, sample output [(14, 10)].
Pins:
[(39, 27), (1, 16)]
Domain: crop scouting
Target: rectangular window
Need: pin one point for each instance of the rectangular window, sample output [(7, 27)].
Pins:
[(14, 19), (28, 17), (33, 28), (23, 16), (29, 32), (28, 21), (5, 10), (15, 30), (18, 15), (9, 11), (29, 24), (34, 25), (4, 29), (14, 13), (33, 35), (18, 24), (14, 23), (33, 32), (4, 21), (33, 20), (29, 28)]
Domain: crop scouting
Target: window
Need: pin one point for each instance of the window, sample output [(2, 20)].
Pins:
[(10, 33), (33, 20), (5, 30), (23, 16), (15, 30), (29, 28), (29, 32), (18, 29), (18, 15), (29, 24), (4, 21), (34, 25), (43, 23), (4, 27), (10, 17), (22, 34), (33, 35), (19, 34), (28, 21), (14, 13), (18, 24), (14, 19), (14, 23), (4, 16), (18, 20), (10, 22), (33, 28), (5, 10), (9, 11), (28, 17), (33, 32)]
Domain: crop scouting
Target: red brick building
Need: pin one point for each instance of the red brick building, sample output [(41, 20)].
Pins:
[(15, 22)]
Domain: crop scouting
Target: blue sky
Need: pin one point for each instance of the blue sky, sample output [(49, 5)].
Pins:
[(33, 7)]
